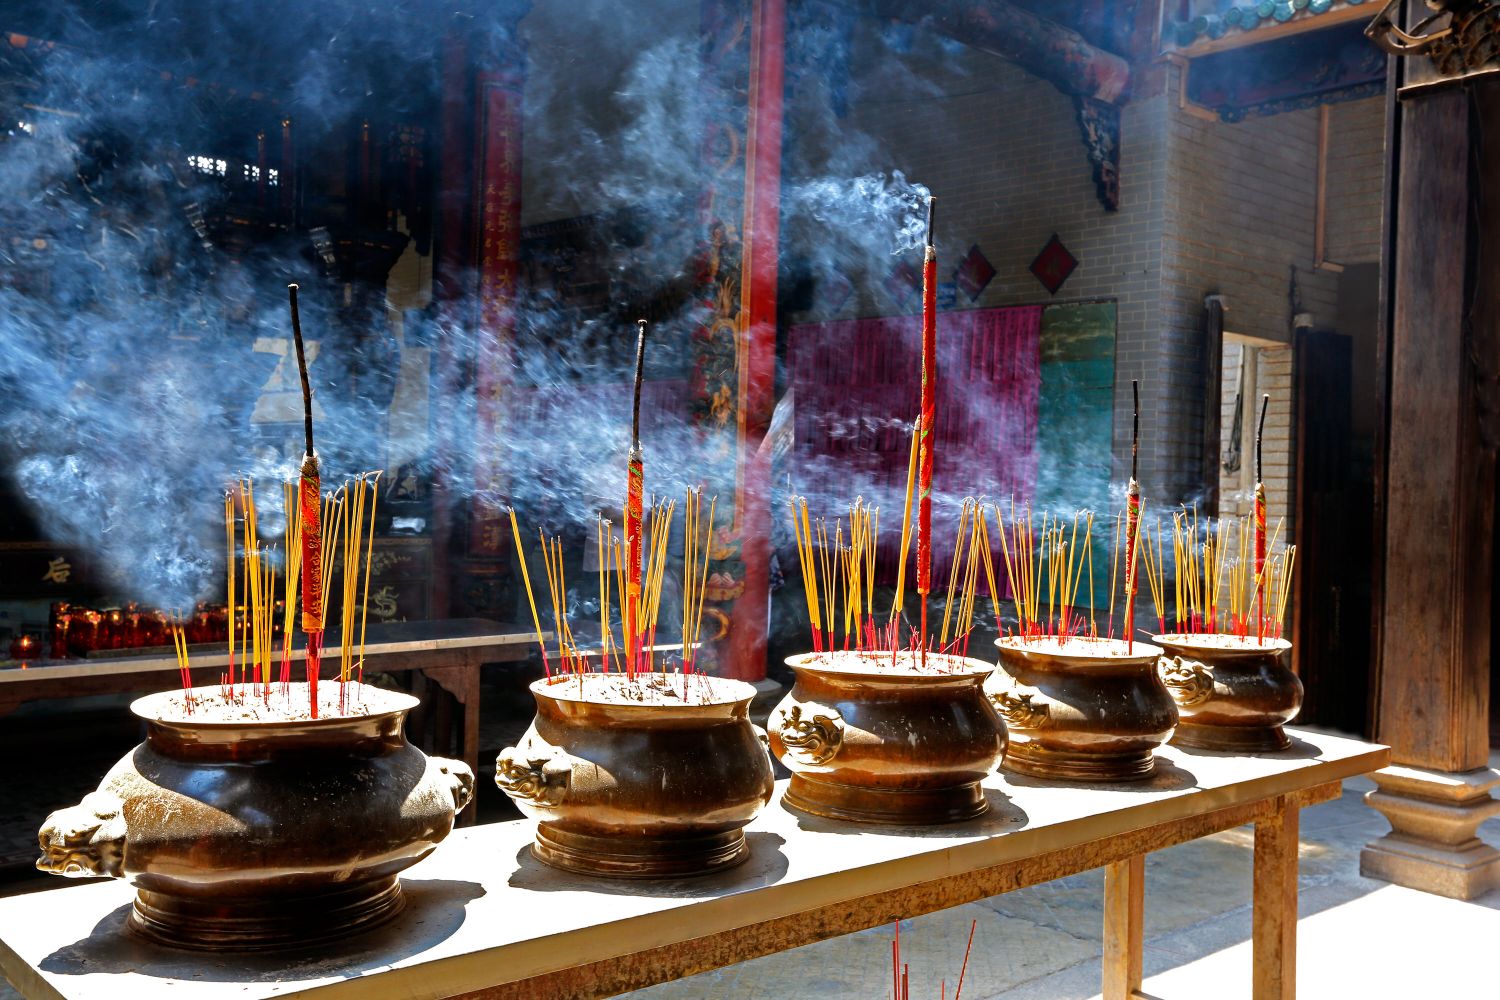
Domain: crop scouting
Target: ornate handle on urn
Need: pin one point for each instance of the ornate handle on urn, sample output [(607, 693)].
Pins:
[(460, 781), (764, 737), (533, 774), (1018, 710), (1190, 682), (86, 840), (811, 734)]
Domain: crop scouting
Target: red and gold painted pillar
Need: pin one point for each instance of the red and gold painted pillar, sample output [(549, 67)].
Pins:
[(478, 224), (499, 235), (735, 363)]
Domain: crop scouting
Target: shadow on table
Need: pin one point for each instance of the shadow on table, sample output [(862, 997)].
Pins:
[(765, 866), (435, 909), (1002, 816), (1299, 750), (1167, 777)]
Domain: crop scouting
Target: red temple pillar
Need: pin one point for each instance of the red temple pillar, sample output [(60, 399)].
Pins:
[(478, 223), (750, 617)]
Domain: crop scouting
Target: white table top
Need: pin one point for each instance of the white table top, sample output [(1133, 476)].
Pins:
[(481, 911)]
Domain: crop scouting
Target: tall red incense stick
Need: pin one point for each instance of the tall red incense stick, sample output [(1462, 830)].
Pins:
[(634, 505), (929, 420), (309, 503), (1260, 526), (1132, 518)]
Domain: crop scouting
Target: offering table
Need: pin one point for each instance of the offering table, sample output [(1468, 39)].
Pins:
[(485, 919)]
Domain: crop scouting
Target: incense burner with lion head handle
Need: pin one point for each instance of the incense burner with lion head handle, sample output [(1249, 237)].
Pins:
[(1234, 693), (1082, 709), (885, 738), (258, 835), (646, 778)]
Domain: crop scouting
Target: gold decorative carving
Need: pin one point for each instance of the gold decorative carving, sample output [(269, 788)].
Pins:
[(1467, 39), (539, 777), (460, 781), (1190, 682), (1018, 710), (86, 840), (811, 733)]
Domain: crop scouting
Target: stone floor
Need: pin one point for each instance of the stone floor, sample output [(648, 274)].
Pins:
[(1042, 942)]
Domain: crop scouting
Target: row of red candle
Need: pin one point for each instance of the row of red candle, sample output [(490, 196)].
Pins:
[(78, 631)]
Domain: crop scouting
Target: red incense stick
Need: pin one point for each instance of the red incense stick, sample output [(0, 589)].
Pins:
[(634, 506), (929, 420), (310, 498), (1132, 519), (1260, 526)]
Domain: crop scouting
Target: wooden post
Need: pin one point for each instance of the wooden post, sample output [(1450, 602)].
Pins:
[(1273, 934), (1124, 916), (1437, 493)]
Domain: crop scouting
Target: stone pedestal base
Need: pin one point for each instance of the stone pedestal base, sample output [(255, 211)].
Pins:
[(1434, 816)]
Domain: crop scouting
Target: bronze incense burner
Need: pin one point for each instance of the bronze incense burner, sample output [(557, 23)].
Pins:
[(1082, 709), (248, 836), (1232, 693), (872, 742), (659, 787)]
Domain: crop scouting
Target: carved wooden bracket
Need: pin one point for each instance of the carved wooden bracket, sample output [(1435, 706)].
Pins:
[(1100, 124)]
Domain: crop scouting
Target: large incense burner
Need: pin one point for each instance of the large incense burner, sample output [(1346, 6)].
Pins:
[(652, 777), (265, 830), (887, 737), (1082, 709), (1233, 692)]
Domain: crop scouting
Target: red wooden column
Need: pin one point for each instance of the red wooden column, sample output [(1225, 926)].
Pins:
[(478, 259), (750, 617)]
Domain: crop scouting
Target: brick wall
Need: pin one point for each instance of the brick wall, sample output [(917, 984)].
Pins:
[(1356, 180)]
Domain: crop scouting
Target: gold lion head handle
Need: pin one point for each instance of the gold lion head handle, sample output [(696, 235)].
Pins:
[(1018, 709), (811, 734), (460, 780), (85, 840), (1190, 682), (538, 776)]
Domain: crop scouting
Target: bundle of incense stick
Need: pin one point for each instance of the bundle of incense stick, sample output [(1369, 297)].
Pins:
[(697, 542), (179, 645), (614, 656), (838, 581), (1216, 586), (1054, 560), (536, 619), (253, 579)]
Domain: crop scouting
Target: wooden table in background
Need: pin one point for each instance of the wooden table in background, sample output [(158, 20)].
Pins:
[(484, 919), (445, 654)]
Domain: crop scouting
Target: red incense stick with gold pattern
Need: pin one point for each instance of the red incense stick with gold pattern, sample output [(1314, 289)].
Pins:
[(309, 505), (929, 421), (634, 506), (1260, 526), (1132, 518)]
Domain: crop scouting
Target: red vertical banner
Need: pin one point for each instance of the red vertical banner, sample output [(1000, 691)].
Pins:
[(499, 232)]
